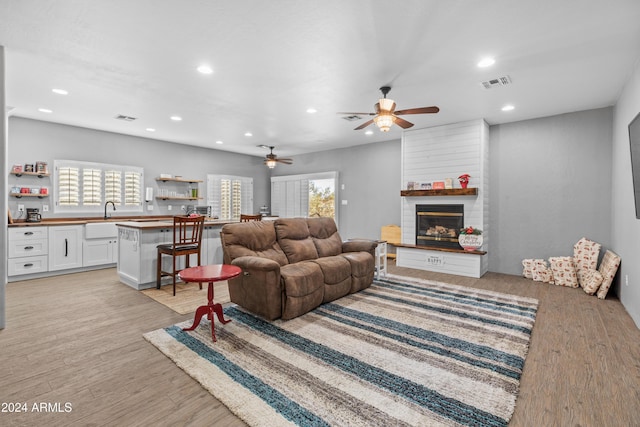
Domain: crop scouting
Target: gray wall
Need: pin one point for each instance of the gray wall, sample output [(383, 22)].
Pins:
[(625, 228), (371, 177), (550, 185), (32, 140), (3, 182)]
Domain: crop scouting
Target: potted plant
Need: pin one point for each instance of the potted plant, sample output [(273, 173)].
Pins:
[(470, 238), (464, 180)]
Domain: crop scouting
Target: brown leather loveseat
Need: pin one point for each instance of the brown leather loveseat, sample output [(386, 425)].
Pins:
[(292, 265)]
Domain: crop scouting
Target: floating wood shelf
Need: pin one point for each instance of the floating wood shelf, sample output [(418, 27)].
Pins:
[(446, 192), (38, 174), (177, 198), (21, 195), (190, 181)]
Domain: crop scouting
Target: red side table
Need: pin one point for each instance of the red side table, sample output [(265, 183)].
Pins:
[(211, 274)]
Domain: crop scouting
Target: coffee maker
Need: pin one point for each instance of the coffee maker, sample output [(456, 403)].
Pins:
[(33, 215)]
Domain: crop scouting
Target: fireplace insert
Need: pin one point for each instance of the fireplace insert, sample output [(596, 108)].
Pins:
[(439, 225)]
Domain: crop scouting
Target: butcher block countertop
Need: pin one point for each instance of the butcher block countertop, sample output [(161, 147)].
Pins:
[(141, 222)]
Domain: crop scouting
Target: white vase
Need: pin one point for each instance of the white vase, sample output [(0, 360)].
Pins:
[(470, 242)]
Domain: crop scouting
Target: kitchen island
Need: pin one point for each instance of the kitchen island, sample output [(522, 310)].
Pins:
[(137, 254)]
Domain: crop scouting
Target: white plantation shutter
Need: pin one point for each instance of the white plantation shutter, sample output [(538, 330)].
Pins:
[(290, 193), (113, 186), (84, 186), (229, 196)]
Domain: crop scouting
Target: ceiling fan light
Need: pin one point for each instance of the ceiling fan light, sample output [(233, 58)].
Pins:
[(384, 121), (386, 104), (270, 163)]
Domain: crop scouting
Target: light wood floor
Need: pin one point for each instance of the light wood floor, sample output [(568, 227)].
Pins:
[(78, 339)]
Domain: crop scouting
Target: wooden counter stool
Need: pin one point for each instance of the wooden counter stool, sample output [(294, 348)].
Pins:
[(187, 240)]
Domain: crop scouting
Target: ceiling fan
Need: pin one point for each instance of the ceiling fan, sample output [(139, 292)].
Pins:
[(271, 159), (385, 116)]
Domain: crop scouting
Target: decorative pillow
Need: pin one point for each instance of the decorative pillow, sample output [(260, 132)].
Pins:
[(541, 272), (585, 256), (608, 268), (564, 271), (591, 280), (527, 268)]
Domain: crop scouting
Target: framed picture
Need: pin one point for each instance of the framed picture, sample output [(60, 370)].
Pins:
[(438, 185), (425, 186)]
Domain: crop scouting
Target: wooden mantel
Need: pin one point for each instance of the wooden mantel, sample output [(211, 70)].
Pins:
[(446, 192)]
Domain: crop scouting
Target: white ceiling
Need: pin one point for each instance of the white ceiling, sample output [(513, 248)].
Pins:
[(274, 59)]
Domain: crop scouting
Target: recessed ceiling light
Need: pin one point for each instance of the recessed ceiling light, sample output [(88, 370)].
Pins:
[(486, 62), (369, 132), (60, 91), (219, 142), (205, 69), (248, 134), (45, 110), (311, 110), (150, 130), (508, 107), (176, 118)]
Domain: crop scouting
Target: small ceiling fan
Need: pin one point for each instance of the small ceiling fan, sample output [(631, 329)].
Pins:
[(385, 116), (271, 159)]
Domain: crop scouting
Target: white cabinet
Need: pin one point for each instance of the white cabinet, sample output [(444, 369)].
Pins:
[(99, 252), (100, 246), (65, 247), (27, 251)]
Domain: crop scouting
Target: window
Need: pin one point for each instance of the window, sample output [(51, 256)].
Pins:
[(85, 187), (304, 195), (229, 196)]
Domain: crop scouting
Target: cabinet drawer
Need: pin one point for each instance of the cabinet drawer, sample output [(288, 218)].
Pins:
[(28, 233), (27, 265), (22, 248)]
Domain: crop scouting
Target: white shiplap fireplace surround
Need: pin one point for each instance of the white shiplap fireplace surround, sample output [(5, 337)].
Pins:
[(433, 154)]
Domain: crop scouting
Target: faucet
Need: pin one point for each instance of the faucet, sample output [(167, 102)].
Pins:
[(105, 208)]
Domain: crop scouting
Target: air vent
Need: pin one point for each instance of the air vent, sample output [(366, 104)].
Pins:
[(352, 118), (500, 81), (125, 118)]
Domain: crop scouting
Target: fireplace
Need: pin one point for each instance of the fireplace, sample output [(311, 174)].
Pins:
[(439, 225)]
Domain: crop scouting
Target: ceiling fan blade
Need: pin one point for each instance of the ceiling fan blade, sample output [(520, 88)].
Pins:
[(403, 123), (364, 125), (285, 161), (358, 114), (423, 110)]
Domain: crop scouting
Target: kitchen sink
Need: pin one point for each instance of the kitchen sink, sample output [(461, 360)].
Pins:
[(100, 230)]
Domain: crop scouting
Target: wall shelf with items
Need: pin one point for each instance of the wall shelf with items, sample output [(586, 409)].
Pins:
[(179, 192), (177, 198), (186, 181), (21, 195), (37, 174), (445, 192)]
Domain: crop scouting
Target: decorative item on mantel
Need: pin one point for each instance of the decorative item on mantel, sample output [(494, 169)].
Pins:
[(464, 180), (470, 238)]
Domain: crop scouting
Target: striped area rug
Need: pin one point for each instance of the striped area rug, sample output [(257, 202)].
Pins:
[(411, 353)]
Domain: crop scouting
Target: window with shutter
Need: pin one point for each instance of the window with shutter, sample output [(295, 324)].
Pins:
[(84, 187)]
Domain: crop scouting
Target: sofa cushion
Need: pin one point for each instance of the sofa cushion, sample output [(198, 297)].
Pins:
[(254, 238), (324, 234), (585, 256), (303, 287), (336, 271), (564, 272), (362, 269), (295, 240), (608, 268)]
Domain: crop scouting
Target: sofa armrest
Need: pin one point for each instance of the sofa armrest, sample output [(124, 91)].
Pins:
[(360, 245), (258, 288), (255, 264)]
